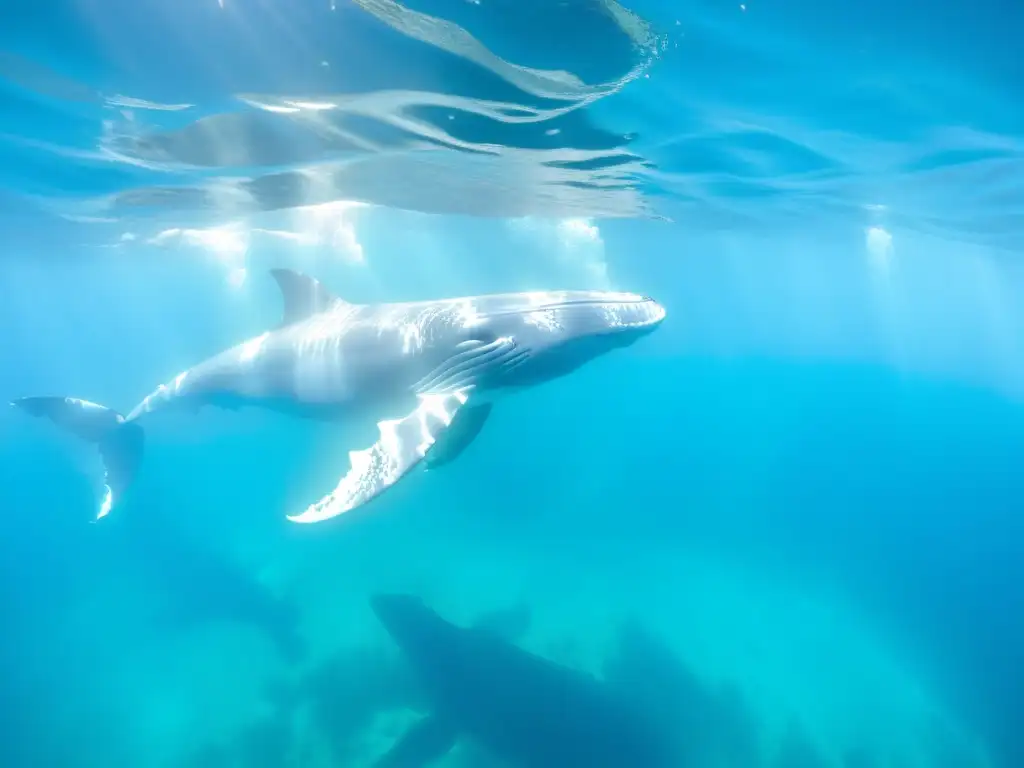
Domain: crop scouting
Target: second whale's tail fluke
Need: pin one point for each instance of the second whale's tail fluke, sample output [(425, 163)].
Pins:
[(120, 442)]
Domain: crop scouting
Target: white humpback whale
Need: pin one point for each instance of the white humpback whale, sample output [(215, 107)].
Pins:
[(426, 373)]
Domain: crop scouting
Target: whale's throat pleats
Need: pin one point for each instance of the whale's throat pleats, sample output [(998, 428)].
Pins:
[(474, 363)]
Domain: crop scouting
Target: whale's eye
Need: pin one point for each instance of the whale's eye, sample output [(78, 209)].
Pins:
[(485, 335)]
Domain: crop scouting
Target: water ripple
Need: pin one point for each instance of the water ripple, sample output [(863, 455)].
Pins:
[(526, 148), (722, 117)]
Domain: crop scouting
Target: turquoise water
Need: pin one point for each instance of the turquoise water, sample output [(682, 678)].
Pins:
[(804, 486)]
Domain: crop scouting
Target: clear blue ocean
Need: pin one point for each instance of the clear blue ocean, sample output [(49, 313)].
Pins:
[(783, 530)]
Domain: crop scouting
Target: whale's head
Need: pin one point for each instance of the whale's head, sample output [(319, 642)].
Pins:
[(400, 614), (557, 332), (424, 637)]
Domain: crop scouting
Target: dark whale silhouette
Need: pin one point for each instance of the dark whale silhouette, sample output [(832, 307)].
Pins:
[(523, 708)]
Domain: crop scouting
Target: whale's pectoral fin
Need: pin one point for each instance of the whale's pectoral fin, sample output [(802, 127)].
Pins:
[(464, 428), (402, 445), (303, 295), (425, 741)]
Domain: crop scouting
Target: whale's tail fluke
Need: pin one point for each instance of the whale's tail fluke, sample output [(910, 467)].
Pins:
[(120, 442)]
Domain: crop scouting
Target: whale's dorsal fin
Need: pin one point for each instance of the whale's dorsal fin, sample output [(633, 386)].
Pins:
[(303, 296)]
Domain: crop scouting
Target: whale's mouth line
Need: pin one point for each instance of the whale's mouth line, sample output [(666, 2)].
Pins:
[(611, 304)]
